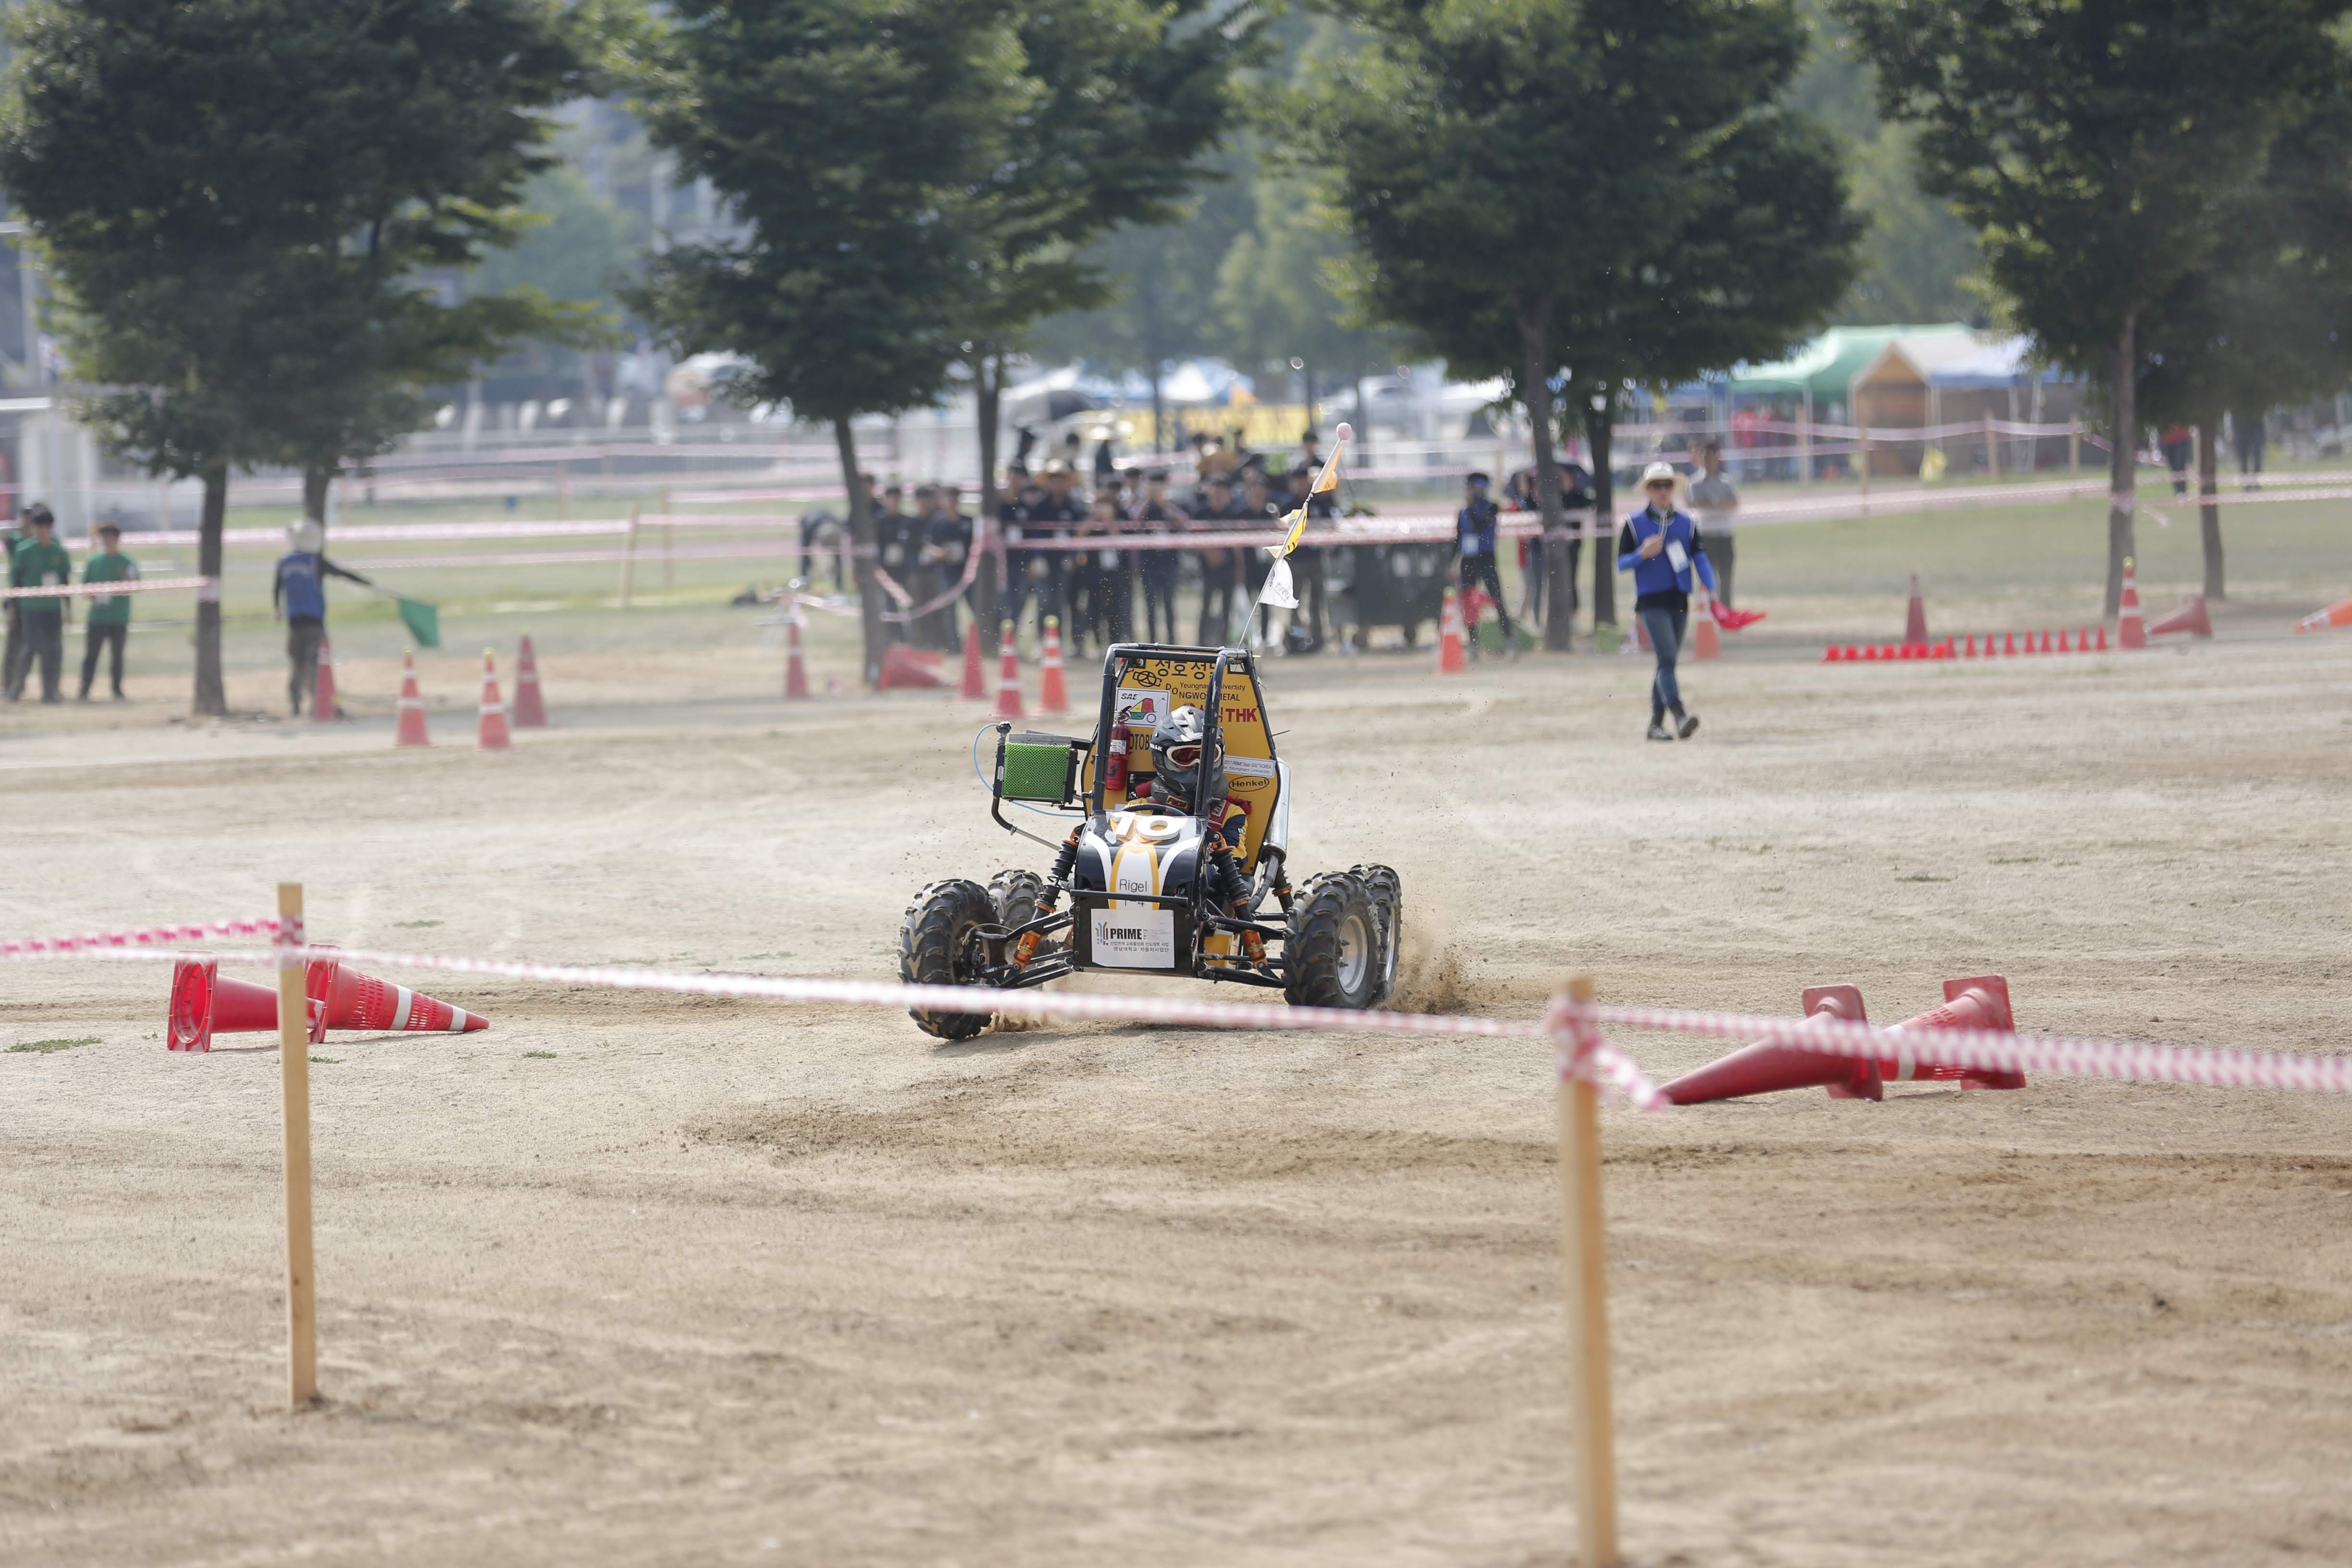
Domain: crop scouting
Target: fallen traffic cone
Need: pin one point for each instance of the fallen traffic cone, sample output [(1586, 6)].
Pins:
[(1915, 618), (2339, 613), (1449, 637), (529, 711), (910, 668), (2190, 618), (1979, 1003), (344, 998), (1705, 643), (492, 734), (795, 663), (323, 686), (203, 1004), (1008, 678), (1052, 698), (2129, 630), (974, 685), (410, 732), (1768, 1066)]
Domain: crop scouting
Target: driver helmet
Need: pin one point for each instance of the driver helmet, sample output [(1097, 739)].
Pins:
[(1178, 765)]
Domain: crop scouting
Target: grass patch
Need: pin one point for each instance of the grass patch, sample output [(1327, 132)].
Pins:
[(1923, 877), (547, 1055), (412, 925), (46, 1046), (2016, 860), (330, 1061)]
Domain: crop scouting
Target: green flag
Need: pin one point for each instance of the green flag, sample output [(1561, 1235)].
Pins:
[(423, 620)]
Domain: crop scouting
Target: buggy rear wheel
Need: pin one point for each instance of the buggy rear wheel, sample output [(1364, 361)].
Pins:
[(1333, 958), (1385, 888), (941, 944)]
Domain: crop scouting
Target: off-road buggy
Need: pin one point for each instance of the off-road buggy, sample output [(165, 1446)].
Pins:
[(1143, 887)]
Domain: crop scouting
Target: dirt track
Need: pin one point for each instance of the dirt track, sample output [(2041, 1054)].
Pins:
[(719, 1282)]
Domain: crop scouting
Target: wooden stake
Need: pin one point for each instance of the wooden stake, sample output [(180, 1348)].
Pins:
[(668, 580), (2074, 446), (294, 1083), (1992, 448), (1584, 1254), (629, 559)]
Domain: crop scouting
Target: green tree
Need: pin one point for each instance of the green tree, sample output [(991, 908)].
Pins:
[(855, 139), (1691, 228), (234, 195), (2268, 319), (2094, 145), (1279, 291)]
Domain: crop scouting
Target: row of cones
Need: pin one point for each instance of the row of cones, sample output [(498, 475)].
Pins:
[(493, 720), (2131, 631), (2009, 647), (341, 997), (1980, 1002)]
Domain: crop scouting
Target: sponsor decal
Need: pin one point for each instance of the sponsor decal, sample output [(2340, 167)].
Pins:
[(1133, 938), (1249, 767)]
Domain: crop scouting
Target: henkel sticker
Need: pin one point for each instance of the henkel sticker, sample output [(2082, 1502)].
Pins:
[(1133, 938)]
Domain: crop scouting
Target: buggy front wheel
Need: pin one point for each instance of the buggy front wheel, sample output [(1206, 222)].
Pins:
[(1334, 957), (941, 944)]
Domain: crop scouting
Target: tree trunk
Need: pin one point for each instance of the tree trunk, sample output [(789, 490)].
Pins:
[(210, 698), (987, 584), (316, 479), (1597, 429), (865, 550), (1534, 392), (2208, 514), (2123, 462), (1159, 421)]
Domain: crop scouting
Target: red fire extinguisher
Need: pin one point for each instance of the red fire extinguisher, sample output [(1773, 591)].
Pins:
[(1115, 762)]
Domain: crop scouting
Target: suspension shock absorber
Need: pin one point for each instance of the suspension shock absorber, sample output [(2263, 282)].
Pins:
[(1026, 948)]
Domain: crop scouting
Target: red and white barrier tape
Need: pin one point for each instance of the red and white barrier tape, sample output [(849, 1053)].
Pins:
[(108, 590), (79, 946)]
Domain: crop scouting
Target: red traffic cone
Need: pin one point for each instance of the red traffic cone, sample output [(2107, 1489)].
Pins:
[(2129, 630), (2045, 640), (344, 998), (529, 711), (203, 1004), (1008, 677), (1449, 637), (411, 729), (1915, 617), (2009, 644), (795, 664), (2083, 639), (903, 666), (2339, 613), (1869, 653), (2190, 618), (2102, 636), (1979, 1003), (1831, 655), (1705, 643), (2062, 641), (974, 685), (1970, 652), (1052, 698), (491, 736), (322, 685)]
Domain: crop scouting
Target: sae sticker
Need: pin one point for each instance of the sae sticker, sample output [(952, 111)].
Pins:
[(1134, 938)]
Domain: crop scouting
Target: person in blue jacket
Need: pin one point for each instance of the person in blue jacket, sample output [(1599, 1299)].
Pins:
[(1661, 546), (300, 593)]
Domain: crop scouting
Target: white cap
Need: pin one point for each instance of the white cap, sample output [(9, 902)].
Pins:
[(1657, 471), (307, 536)]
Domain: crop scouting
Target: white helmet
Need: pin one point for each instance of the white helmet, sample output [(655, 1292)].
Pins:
[(307, 536)]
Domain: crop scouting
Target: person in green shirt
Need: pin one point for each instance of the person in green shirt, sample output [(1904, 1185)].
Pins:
[(110, 617), (40, 562), (9, 538)]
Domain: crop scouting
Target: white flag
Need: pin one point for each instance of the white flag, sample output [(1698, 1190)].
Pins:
[(1277, 591)]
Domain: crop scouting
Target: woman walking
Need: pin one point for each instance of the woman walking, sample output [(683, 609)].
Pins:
[(1661, 546)]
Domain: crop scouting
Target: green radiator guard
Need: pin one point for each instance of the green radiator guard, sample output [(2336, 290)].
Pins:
[(1039, 767)]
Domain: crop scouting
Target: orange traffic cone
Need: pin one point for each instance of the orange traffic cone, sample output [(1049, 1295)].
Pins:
[(492, 734), (1051, 696), (1980, 1003), (2129, 630), (1642, 635), (1449, 637), (530, 711), (344, 998), (1915, 617), (1705, 643), (323, 686), (1008, 678), (203, 1004), (2339, 613), (974, 685), (411, 729), (795, 664), (910, 668), (2190, 618)]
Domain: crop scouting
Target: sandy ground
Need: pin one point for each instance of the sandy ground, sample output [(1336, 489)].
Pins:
[(645, 1280)]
